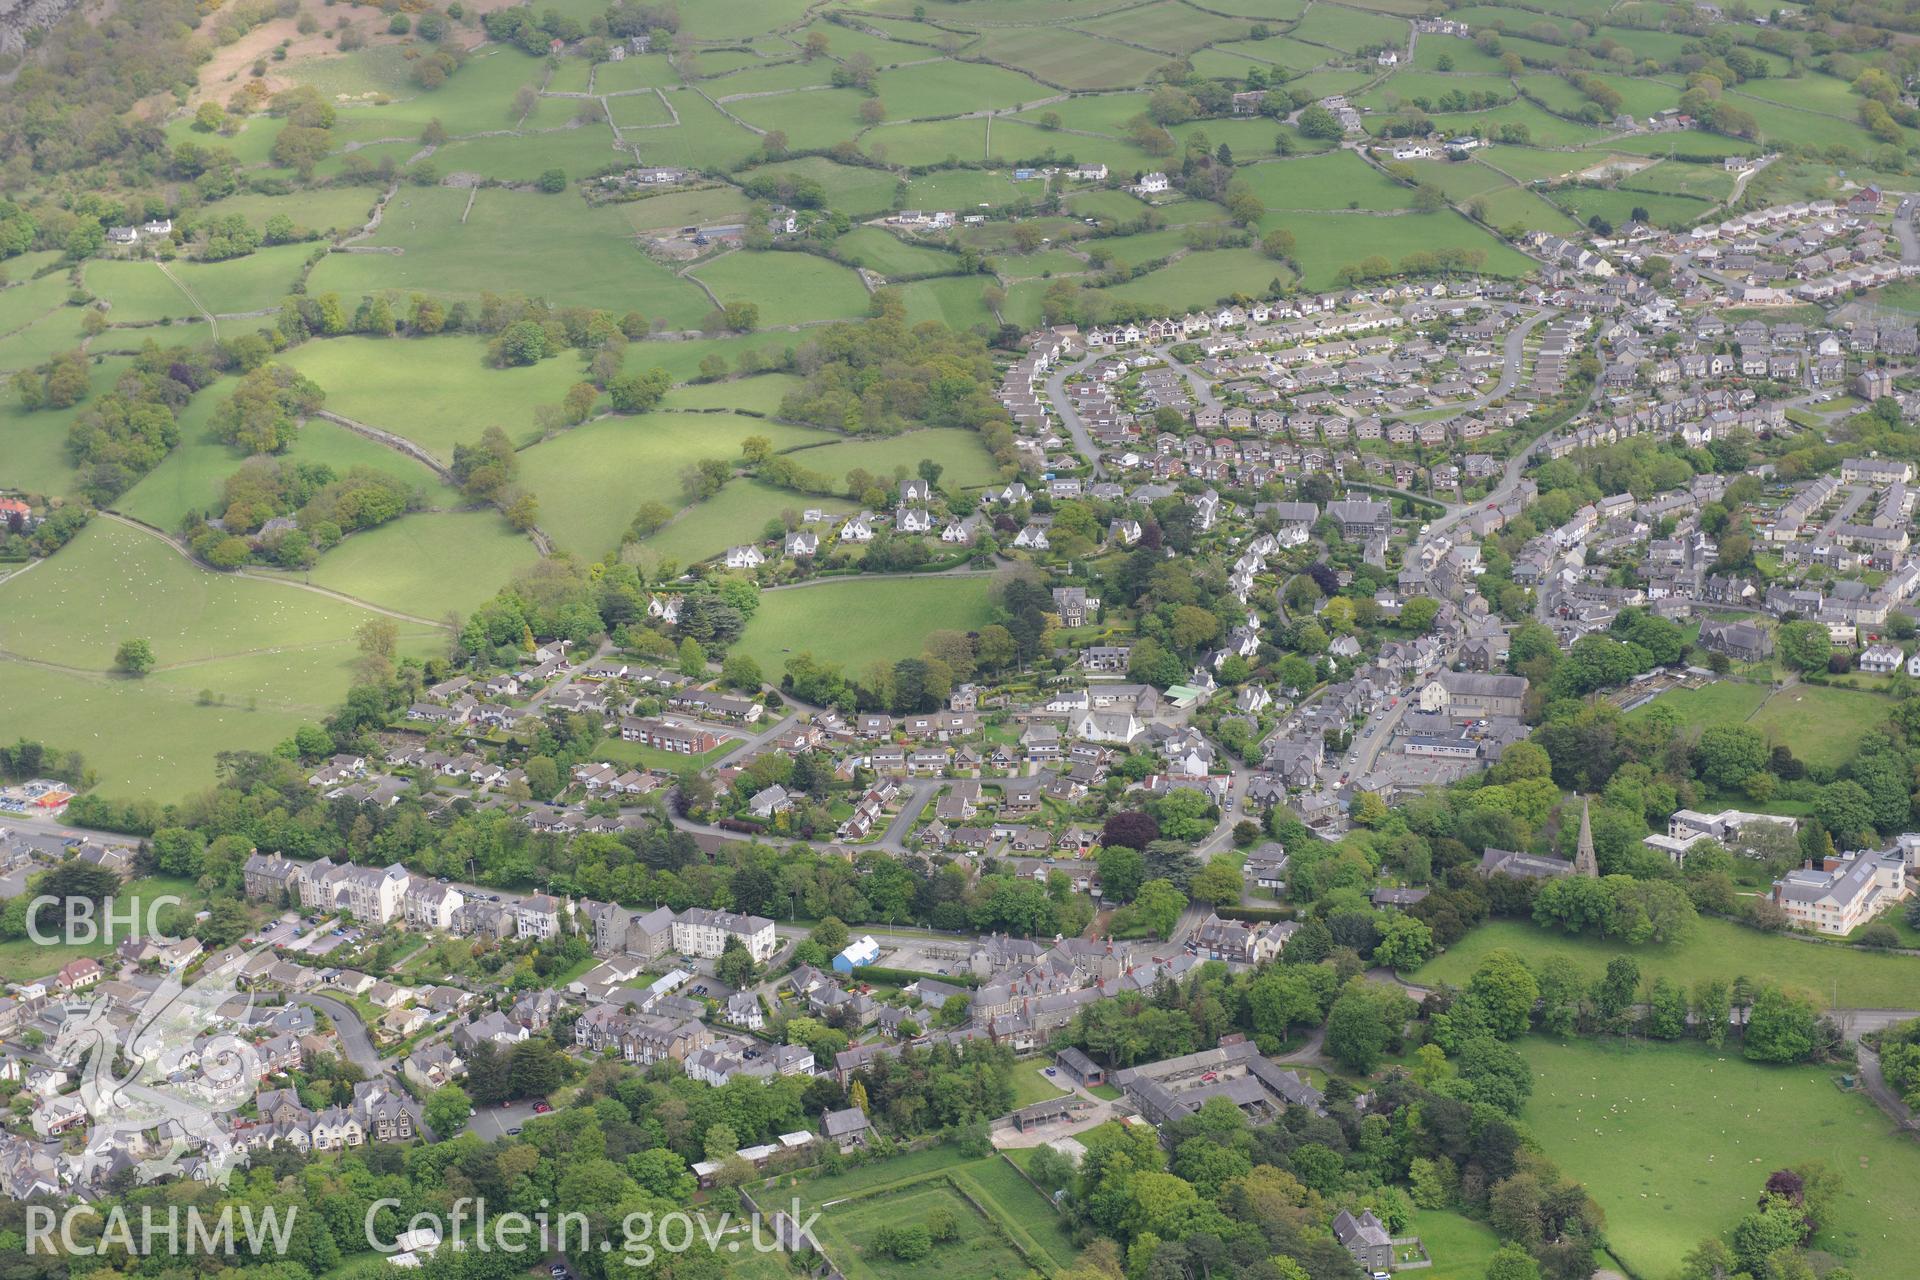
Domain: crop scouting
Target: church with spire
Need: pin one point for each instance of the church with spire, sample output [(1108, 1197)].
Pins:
[(1584, 863)]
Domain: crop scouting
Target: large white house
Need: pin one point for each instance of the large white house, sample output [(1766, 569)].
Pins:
[(698, 931), (1843, 895)]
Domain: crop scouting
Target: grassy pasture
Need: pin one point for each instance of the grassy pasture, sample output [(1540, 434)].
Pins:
[(882, 251), (1201, 278), (1328, 241), (966, 189), (193, 475), (725, 19), (38, 342), (759, 394), (1688, 142), (1675, 1143), (28, 300), (855, 622), (437, 392), (136, 292), (684, 208), (273, 657), (636, 71), (853, 191), (951, 88), (1349, 29), (1617, 206), (704, 138), (257, 282), (1336, 180), (442, 256), (592, 479), (776, 78), (578, 153), (1544, 128), (427, 564), (811, 121), (1718, 949), (639, 110), (1464, 54), (322, 208), (1068, 58), (965, 462), (35, 454), (738, 513), (1172, 28), (1511, 206), (790, 288)]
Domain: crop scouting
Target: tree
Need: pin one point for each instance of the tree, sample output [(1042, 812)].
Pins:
[(1318, 122), (1405, 943), (1728, 753), (1158, 906), (446, 1110), (1505, 990), (741, 672), (1218, 882), (1511, 1262), (133, 657), (1357, 1031), (1131, 828), (1804, 645), (1122, 870), (1780, 1028), (1418, 613), (735, 966), (553, 181)]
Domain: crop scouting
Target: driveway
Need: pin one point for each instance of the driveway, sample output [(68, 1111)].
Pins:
[(352, 1032), (493, 1122)]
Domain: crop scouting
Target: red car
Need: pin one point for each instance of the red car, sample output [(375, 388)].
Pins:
[(541, 1108)]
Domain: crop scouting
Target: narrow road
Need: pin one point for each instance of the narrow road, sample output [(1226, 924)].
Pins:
[(1057, 394)]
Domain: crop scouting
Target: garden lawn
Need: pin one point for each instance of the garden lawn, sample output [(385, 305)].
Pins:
[(1675, 1142), (1718, 949), (847, 1232), (23, 959), (855, 622), (1031, 1084), (1459, 1246), (789, 288), (437, 392), (593, 479)]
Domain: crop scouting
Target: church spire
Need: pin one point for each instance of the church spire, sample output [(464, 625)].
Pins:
[(1584, 863)]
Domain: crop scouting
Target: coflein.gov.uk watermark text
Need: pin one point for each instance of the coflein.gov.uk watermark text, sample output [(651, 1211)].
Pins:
[(244, 1230)]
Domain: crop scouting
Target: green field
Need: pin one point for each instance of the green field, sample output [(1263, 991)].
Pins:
[(789, 288), (193, 475), (592, 479), (1718, 949), (437, 392), (1336, 180), (489, 252), (428, 564), (272, 655), (1822, 725), (1459, 1246), (1676, 1142), (855, 622), (963, 459)]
